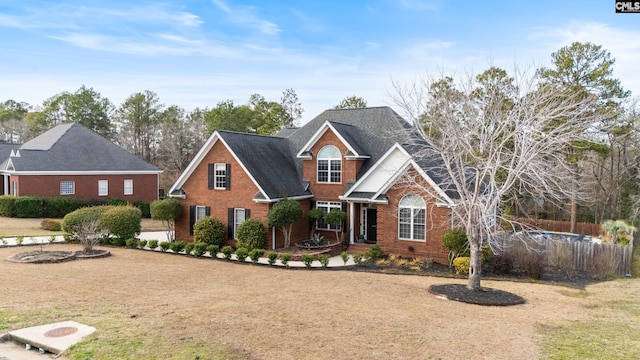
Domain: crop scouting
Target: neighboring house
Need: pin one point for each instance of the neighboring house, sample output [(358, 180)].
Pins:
[(356, 160), (71, 160)]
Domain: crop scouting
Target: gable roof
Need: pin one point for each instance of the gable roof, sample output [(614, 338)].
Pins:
[(265, 159), (348, 135), (72, 148)]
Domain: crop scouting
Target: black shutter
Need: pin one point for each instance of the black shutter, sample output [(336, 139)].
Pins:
[(230, 223), (344, 208), (311, 222), (192, 218), (207, 211), (227, 173), (247, 213), (211, 180)]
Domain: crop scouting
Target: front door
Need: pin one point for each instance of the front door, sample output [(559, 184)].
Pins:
[(372, 221)]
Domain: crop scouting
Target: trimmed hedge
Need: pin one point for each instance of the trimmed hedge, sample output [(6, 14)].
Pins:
[(251, 234), (8, 205), (122, 221), (209, 230), (28, 207), (58, 207), (74, 218), (145, 207)]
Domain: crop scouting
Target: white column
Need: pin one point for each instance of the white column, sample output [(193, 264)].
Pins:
[(6, 184), (273, 238), (351, 222)]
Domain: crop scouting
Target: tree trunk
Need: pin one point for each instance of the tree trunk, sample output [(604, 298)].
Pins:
[(475, 265), (574, 200)]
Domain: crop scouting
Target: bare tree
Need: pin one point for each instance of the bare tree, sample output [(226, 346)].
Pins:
[(89, 233), (492, 135)]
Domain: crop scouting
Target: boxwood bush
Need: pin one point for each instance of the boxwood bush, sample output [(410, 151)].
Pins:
[(199, 249), (74, 218), (251, 234), (58, 207), (145, 207), (242, 253), (122, 221), (177, 246), (227, 251), (188, 248), (153, 244), (209, 230), (255, 254)]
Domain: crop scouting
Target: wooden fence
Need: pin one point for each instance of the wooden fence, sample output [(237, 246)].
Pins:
[(559, 226), (584, 256)]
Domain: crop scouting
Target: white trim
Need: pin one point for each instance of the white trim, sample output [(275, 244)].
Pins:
[(318, 134), (103, 187), (216, 176), (124, 187), (204, 150), (411, 223), (375, 167)]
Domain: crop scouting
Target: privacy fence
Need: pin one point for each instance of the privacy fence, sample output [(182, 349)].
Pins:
[(599, 260), (560, 226)]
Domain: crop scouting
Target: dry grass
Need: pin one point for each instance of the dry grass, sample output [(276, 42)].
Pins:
[(149, 305)]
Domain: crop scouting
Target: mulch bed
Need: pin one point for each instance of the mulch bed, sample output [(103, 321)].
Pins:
[(43, 257), (482, 296)]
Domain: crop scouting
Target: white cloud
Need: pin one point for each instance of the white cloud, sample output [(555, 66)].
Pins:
[(245, 16)]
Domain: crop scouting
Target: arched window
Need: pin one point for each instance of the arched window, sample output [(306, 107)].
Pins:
[(412, 218), (329, 165)]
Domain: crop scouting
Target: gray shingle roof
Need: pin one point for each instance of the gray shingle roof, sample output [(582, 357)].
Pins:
[(72, 147), (269, 161)]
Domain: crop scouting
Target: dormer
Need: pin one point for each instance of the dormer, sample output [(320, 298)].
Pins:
[(15, 153), (348, 136)]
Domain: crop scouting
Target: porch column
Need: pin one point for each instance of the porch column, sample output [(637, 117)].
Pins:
[(6, 184), (351, 221)]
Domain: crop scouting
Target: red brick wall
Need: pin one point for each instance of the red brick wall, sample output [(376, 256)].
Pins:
[(145, 186), (438, 222), (239, 196)]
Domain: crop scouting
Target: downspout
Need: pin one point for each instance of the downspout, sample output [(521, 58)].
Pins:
[(351, 221), (273, 237)]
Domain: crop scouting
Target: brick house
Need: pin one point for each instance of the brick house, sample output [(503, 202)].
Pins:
[(71, 160), (349, 159)]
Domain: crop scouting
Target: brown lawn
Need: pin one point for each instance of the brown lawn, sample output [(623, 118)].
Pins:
[(153, 305), (31, 227)]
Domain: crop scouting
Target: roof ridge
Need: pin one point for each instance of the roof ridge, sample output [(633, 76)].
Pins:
[(251, 134)]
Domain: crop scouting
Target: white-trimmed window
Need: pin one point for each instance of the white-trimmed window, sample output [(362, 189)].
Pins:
[(67, 187), (201, 213), (412, 218), (220, 176), (239, 216), (327, 206), (128, 187), (103, 187), (329, 165)]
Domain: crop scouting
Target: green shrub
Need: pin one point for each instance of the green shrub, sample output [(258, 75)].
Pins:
[(8, 205), (209, 230), (52, 239), (118, 241), (145, 208), (142, 244), (79, 216), (199, 249), (256, 254), (285, 258), (461, 264), (345, 257), (122, 221), (357, 258), (166, 210), (374, 253), (164, 246), (28, 207), (59, 206), (213, 250), (188, 248), (251, 234), (324, 260), (242, 253), (153, 244), (51, 225), (227, 251), (20, 239), (307, 259), (458, 244), (116, 202), (131, 243), (177, 246), (272, 256)]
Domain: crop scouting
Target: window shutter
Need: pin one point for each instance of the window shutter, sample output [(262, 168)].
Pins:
[(344, 208), (211, 176), (230, 223), (228, 176), (192, 218), (207, 211), (247, 213)]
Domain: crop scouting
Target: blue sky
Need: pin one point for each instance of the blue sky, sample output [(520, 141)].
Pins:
[(198, 53)]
